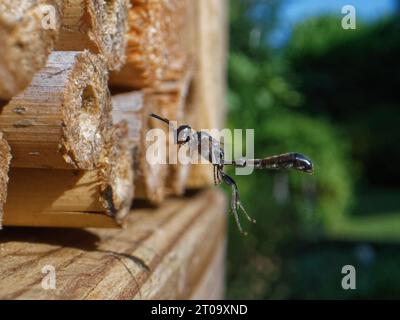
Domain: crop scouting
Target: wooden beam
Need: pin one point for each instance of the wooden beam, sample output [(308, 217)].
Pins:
[(5, 158), (211, 286), (162, 254), (99, 26), (68, 198), (62, 118), (26, 41)]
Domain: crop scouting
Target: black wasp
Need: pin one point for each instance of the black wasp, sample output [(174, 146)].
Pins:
[(211, 150)]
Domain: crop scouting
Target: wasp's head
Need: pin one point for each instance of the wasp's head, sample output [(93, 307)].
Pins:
[(183, 133), (302, 163)]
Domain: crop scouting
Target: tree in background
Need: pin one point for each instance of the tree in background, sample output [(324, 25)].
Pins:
[(352, 78), (287, 206)]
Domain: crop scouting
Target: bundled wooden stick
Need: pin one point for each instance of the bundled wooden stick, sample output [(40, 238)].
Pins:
[(97, 25), (5, 158), (154, 50), (146, 47), (61, 119), (28, 31), (176, 28), (129, 107), (69, 198), (135, 108)]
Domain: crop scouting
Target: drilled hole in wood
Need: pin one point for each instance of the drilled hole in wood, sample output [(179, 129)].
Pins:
[(89, 101)]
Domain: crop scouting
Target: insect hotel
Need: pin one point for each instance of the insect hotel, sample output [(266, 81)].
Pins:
[(78, 198)]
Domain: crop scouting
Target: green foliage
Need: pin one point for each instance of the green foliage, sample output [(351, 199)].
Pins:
[(328, 193), (331, 94), (315, 37), (261, 97), (351, 77), (313, 271)]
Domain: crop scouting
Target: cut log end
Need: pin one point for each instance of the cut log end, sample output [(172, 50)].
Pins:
[(27, 36), (61, 120), (146, 57), (155, 50), (105, 24), (86, 111), (5, 158), (116, 172), (151, 175)]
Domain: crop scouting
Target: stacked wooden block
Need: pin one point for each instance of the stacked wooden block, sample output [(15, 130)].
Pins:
[(78, 80)]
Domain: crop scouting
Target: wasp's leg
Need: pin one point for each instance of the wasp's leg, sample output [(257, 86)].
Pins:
[(217, 177), (236, 196), (238, 203), (235, 200), (230, 182)]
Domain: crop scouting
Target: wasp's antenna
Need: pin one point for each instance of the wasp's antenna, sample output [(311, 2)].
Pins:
[(160, 118)]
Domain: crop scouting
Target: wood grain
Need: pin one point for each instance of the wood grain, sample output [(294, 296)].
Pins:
[(5, 158), (211, 286), (145, 52), (100, 197), (97, 25), (61, 120), (26, 41), (134, 107), (162, 254), (155, 50)]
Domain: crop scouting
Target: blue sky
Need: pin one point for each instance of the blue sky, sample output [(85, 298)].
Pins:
[(296, 10)]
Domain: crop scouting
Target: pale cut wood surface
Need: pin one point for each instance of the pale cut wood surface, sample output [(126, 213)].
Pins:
[(5, 158), (62, 119), (130, 107), (27, 36), (162, 254), (97, 25), (134, 107), (150, 179)]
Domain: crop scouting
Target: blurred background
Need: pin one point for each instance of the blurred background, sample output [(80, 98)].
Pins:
[(307, 85)]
